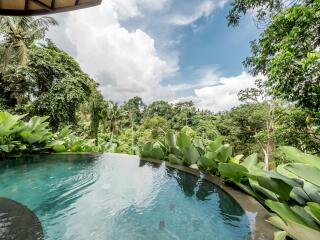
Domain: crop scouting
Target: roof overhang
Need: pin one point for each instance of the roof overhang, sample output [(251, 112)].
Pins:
[(39, 7)]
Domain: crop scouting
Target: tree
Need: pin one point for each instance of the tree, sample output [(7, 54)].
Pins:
[(183, 114), (159, 108), (114, 115), (135, 108), (64, 99), (288, 53), (153, 128), (263, 9), (241, 124), (98, 111), (18, 34), (47, 65)]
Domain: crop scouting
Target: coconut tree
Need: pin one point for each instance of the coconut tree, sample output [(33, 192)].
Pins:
[(18, 34)]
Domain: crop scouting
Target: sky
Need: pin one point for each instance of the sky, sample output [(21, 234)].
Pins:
[(170, 50)]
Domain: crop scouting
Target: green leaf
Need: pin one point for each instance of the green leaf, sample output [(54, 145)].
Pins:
[(280, 235), (157, 153), (314, 210), (59, 148), (7, 148), (261, 192), (208, 164), (216, 144), (171, 140), (191, 155), (236, 159), (295, 230), (174, 160), (305, 171), (224, 153), (211, 155), (251, 161), (198, 143), (293, 214), (232, 171), (295, 155), (276, 185), (183, 140), (146, 151)]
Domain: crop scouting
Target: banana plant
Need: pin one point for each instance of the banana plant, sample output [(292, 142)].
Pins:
[(292, 191), (182, 149), (10, 125)]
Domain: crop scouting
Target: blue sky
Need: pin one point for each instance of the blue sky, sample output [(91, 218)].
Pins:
[(161, 49)]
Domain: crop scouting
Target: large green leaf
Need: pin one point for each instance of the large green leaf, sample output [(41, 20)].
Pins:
[(251, 161), (171, 140), (211, 155), (224, 153), (312, 191), (305, 171), (183, 140), (7, 148), (277, 183), (207, 164), (236, 159), (191, 155), (276, 186), (295, 230), (295, 155), (293, 214), (174, 160), (198, 143), (232, 171), (9, 124), (59, 148), (280, 235), (216, 144), (157, 153), (261, 192), (146, 150), (314, 210)]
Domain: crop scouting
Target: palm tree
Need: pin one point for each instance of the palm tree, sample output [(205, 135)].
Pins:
[(115, 115), (18, 34)]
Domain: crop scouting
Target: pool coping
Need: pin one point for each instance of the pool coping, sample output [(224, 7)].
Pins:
[(23, 223)]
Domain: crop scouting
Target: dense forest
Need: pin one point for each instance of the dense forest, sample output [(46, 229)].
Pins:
[(39, 79), (48, 104)]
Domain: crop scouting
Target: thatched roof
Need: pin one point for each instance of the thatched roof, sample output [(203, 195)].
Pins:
[(35, 7)]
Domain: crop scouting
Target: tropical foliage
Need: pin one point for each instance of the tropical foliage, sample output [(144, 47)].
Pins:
[(34, 136)]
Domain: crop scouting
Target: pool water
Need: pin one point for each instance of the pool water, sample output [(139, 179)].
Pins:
[(99, 197)]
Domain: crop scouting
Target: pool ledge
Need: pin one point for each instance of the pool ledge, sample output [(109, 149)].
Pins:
[(261, 230), (18, 222)]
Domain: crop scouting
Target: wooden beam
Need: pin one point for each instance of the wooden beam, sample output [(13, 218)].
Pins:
[(26, 5), (53, 2), (41, 4)]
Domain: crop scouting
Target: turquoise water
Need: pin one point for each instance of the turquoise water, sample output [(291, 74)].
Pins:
[(99, 197)]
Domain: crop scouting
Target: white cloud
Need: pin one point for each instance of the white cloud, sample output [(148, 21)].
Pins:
[(221, 97), (126, 64), (204, 9), (133, 8)]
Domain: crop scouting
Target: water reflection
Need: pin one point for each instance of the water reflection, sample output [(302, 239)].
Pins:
[(118, 197)]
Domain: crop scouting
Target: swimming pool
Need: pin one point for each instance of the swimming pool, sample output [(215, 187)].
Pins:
[(120, 197)]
